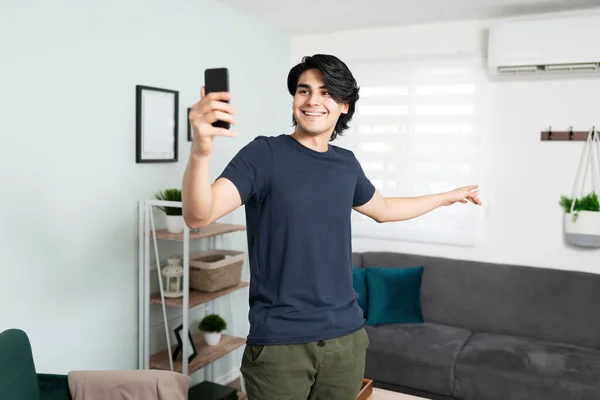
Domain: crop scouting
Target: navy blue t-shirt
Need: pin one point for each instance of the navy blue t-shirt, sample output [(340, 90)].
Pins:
[(298, 204)]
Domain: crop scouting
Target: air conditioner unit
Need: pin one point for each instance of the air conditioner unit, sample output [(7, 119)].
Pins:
[(542, 47)]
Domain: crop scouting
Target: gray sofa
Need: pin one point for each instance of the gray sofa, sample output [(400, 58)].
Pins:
[(490, 331)]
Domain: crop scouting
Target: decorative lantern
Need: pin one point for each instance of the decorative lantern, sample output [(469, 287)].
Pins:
[(173, 274)]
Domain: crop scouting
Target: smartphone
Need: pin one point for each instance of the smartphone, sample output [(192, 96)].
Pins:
[(217, 80)]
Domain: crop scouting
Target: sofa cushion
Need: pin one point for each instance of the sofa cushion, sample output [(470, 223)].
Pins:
[(394, 295), (419, 356), (508, 367)]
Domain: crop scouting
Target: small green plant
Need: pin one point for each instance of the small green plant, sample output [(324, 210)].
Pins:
[(587, 203), (170, 195), (212, 323)]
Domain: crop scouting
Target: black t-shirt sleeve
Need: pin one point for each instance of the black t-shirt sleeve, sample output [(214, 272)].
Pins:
[(364, 190), (250, 170)]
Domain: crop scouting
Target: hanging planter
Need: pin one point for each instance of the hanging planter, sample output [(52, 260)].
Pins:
[(582, 215)]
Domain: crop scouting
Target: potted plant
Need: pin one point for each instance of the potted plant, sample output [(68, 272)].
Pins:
[(587, 203), (175, 222), (211, 326), (582, 219)]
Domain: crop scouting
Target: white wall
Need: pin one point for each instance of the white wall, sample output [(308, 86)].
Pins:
[(70, 184), (530, 175)]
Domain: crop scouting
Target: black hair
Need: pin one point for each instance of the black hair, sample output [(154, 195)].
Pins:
[(338, 80)]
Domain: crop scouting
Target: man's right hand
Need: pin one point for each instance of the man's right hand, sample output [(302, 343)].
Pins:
[(209, 109)]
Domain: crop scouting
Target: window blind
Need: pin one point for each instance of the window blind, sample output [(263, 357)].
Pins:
[(418, 129)]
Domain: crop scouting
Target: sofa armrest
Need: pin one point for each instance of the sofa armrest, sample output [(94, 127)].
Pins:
[(53, 387)]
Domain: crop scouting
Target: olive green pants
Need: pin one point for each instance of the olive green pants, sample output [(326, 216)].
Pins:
[(325, 370)]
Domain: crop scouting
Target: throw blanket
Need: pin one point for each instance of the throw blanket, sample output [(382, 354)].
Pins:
[(128, 385)]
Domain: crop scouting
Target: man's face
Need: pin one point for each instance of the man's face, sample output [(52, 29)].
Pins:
[(314, 109)]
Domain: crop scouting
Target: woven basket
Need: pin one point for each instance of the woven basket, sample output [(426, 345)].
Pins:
[(214, 270)]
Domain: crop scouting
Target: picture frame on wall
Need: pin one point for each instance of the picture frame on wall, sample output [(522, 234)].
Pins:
[(192, 352), (156, 124)]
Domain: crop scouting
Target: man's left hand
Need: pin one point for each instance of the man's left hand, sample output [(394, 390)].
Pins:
[(463, 195)]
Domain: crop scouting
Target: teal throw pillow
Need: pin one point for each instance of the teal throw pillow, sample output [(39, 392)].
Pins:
[(360, 286), (394, 295)]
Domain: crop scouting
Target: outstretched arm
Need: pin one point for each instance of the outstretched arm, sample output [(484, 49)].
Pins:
[(391, 209)]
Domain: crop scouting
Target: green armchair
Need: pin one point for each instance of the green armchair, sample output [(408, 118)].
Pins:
[(18, 377), (20, 381)]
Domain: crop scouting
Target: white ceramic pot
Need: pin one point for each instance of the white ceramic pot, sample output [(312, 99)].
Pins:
[(212, 338), (583, 229), (175, 223)]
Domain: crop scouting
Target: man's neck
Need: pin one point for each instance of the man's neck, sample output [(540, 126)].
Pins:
[(314, 142)]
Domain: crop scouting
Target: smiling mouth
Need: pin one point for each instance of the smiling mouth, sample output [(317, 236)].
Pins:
[(313, 114)]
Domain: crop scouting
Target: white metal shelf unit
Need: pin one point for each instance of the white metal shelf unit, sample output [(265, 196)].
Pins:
[(147, 227), (148, 233)]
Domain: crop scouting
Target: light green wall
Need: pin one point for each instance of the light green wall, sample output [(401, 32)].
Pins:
[(68, 176)]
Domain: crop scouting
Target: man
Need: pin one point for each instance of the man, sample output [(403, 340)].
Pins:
[(306, 337)]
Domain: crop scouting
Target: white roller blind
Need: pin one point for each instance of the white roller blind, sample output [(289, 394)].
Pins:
[(418, 129)]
